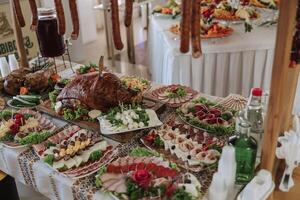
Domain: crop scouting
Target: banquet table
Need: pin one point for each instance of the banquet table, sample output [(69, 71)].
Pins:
[(27, 168), (232, 64)]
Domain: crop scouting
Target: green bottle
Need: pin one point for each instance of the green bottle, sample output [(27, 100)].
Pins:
[(245, 153)]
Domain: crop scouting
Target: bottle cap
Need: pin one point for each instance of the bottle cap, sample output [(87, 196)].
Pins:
[(257, 92)]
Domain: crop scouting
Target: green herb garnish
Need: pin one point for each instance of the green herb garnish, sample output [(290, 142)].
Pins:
[(142, 152), (49, 159), (158, 142), (6, 114), (179, 92), (35, 138), (96, 155), (181, 194), (6, 138), (53, 95)]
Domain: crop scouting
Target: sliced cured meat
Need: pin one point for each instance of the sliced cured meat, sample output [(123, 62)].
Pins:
[(110, 176), (121, 188), (117, 184)]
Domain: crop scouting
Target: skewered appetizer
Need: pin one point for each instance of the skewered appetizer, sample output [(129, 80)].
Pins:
[(171, 8), (25, 127), (190, 149), (174, 95), (80, 152), (134, 177), (128, 118), (206, 115)]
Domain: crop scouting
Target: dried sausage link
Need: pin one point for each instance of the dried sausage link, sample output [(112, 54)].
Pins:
[(116, 25), (185, 26), (75, 19), (61, 17)]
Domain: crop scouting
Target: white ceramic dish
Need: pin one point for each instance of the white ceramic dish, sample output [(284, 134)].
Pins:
[(15, 107), (106, 130)]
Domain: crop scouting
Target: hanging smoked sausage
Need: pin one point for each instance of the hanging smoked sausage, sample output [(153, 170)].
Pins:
[(195, 28), (61, 17), (116, 25), (185, 25), (75, 19), (18, 13), (34, 20), (128, 12)]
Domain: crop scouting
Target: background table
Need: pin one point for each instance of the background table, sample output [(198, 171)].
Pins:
[(233, 64)]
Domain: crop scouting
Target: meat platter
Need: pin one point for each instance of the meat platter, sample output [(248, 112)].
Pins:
[(148, 102), (208, 116), (46, 108), (145, 175), (24, 127), (75, 152), (208, 30), (21, 80), (170, 9), (174, 95), (127, 118), (188, 147)]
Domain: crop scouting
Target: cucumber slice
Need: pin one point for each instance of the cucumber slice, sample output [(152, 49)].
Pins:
[(17, 104), (30, 98), (24, 101)]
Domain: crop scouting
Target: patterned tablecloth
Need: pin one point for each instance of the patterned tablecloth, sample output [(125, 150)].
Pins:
[(26, 167)]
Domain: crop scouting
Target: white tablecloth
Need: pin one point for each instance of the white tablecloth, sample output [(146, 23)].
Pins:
[(229, 65)]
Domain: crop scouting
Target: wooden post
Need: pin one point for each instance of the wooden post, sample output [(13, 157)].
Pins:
[(19, 39), (283, 85)]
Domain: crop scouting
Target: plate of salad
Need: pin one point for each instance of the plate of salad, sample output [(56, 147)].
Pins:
[(208, 116), (127, 118), (172, 8), (146, 176), (24, 127), (174, 95)]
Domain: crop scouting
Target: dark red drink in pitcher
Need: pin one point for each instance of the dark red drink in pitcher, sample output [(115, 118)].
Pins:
[(50, 42)]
